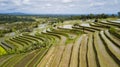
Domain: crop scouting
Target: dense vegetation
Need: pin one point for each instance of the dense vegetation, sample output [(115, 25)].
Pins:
[(11, 19)]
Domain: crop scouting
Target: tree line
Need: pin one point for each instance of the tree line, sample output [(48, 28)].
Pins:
[(10, 18), (92, 16), (83, 17)]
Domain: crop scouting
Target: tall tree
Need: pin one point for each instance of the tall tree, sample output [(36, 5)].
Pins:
[(119, 14)]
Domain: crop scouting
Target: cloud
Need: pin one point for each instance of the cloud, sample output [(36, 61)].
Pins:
[(48, 5), (67, 1), (3, 4), (97, 4), (60, 6), (71, 5), (17, 2), (116, 1), (26, 1)]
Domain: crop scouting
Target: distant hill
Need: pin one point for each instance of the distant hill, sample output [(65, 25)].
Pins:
[(14, 13), (49, 15)]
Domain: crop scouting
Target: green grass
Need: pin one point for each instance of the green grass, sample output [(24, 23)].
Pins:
[(2, 51)]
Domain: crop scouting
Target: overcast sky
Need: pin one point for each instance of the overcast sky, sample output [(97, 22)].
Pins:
[(60, 6)]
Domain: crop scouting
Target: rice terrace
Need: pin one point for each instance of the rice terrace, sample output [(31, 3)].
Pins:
[(57, 37)]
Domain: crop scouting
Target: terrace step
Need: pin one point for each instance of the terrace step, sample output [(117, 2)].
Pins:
[(112, 38), (104, 58), (91, 55), (114, 50), (83, 61)]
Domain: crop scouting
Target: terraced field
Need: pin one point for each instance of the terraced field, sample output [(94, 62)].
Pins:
[(81, 46)]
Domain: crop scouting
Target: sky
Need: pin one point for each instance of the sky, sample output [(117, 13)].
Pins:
[(60, 6)]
